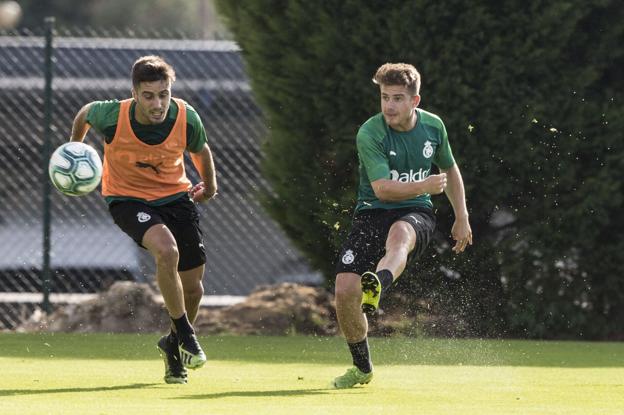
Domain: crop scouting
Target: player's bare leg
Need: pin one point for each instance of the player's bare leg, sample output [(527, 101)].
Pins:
[(354, 326), (161, 244), (193, 290), (400, 242), (352, 322), (355, 294), (175, 372)]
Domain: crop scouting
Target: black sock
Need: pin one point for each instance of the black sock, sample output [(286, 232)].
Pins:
[(173, 337), (385, 278), (361, 355), (183, 326)]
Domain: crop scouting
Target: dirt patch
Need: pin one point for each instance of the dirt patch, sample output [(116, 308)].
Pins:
[(129, 307), (126, 307), (274, 310), (282, 309)]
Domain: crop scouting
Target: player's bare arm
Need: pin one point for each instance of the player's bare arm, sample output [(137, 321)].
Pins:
[(80, 125), (392, 191), (204, 163), (461, 231)]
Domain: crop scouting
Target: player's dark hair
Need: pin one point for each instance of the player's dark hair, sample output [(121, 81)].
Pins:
[(151, 68), (398, 74)]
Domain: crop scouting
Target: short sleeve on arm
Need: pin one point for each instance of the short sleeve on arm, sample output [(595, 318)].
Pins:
[(103, 114), (372, 157), (195, 131), (444, 156)]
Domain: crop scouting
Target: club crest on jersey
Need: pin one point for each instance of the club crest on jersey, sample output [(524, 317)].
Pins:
[(143, 217), (428, 150), (348, 257)]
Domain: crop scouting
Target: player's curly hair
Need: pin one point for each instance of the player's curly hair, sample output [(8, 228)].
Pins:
[(398, 74), (151, 68)]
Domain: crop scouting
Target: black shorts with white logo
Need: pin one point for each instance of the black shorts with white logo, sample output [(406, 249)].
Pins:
[(366, 243), (179, 216)]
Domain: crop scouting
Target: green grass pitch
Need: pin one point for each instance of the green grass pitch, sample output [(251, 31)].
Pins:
[(122, 374)]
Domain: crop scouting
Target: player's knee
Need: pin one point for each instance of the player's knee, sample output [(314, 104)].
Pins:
[(194, 291), (401, 231), (167, 254), (401, 237), (347, 287), (399, 249)]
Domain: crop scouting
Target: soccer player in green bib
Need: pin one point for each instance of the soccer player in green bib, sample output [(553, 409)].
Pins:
[(394, 220)]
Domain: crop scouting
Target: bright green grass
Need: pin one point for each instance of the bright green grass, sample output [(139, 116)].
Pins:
[(121, 375)]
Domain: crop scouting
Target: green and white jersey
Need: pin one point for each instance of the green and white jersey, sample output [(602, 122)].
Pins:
[(103, 117), (404, 156)]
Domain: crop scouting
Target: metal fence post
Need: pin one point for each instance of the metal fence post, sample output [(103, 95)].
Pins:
[(47, 132)]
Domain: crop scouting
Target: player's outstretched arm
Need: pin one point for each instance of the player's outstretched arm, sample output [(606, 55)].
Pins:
[(80, 125), (207, 188), (393, 191), (461, 231)]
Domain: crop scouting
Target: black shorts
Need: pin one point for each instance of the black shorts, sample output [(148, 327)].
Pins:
[(180, 217), (366, 243)]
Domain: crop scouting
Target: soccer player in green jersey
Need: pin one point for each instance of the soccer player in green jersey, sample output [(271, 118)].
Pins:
[(393, 220), (151, 198)]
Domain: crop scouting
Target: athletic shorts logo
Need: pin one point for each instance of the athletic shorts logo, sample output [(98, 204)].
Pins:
[(428, 150), (143, 217), (348, 257)]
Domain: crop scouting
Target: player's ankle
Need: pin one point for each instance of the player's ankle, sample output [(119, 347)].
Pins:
[(385, 278), (183, 326)]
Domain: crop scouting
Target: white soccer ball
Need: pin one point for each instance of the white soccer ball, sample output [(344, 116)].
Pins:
[(75, 168)]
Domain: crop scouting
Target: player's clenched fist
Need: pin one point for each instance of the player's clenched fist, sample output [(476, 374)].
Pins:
[(200, 193), (435, 184)]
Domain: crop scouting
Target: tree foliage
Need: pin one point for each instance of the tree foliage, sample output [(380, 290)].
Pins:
[(531, 93)]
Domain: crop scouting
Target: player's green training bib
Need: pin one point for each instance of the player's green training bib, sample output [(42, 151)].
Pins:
[(404, 156)]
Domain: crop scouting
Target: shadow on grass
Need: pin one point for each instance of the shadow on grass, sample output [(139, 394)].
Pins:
[(260, 394), (18, 392)]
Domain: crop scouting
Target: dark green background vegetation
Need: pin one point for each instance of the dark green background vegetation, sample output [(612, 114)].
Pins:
[(531, 93)]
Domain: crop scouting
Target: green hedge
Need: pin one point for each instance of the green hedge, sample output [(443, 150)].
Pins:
[(531, 94)]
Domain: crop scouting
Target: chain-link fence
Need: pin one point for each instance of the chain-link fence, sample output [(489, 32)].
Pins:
[(245, 248)]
